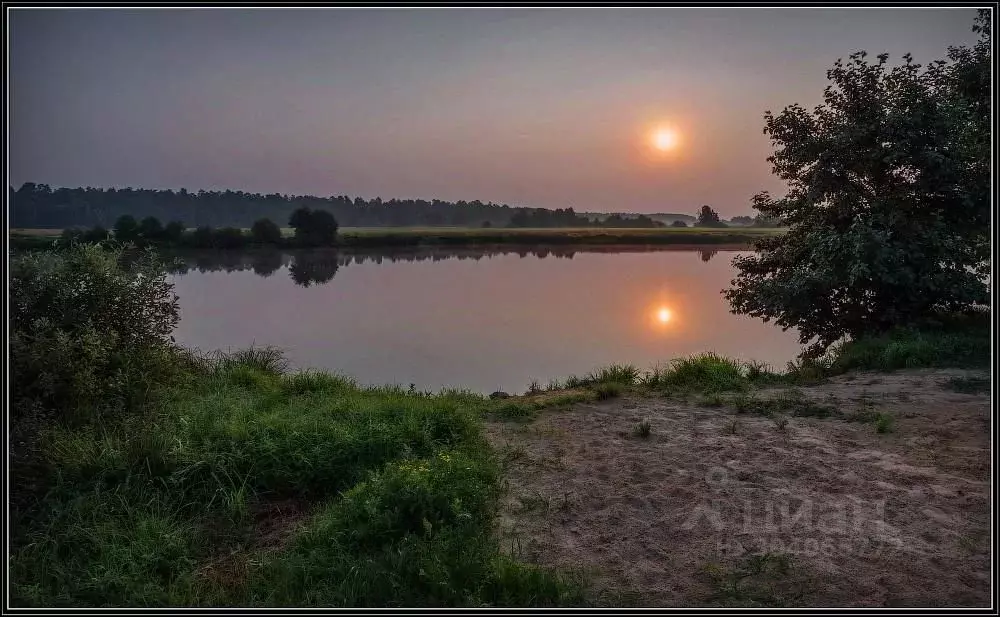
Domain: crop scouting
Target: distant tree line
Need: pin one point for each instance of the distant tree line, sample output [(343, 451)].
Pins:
[(542, 217), (312, 228), (41, 206)]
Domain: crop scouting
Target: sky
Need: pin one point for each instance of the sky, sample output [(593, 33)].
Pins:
[(546, 108)]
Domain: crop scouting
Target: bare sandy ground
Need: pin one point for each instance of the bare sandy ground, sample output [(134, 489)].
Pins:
[(847, 516)]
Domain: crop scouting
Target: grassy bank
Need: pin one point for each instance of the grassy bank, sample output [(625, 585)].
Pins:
[(953, 342), (247, 486), (377, 237)]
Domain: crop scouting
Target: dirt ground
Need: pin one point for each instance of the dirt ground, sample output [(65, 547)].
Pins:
[(719, 508)]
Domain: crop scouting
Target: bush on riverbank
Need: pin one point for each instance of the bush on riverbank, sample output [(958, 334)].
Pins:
[(225, 481), (85, 331)]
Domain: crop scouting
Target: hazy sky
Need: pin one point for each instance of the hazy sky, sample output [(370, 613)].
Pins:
[(538, 107)]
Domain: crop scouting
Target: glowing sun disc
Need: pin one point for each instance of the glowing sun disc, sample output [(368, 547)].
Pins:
[(664, 139), (663, 315)]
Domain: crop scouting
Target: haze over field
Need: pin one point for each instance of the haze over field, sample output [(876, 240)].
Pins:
[(605, 110)]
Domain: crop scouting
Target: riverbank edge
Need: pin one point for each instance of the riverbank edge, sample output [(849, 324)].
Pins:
[(401, 237)]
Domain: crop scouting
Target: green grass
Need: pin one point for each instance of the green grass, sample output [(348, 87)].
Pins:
[(525, 407), (758, 580), (607, 390), (791, 402), (956, 342), (643, 429), (884, 422), (622, 374), (397, 494), (709, 373)]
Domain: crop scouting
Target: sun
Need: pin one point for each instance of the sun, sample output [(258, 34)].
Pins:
[(664, 139), (663, 315)]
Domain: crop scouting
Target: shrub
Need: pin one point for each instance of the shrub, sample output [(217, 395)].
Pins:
[(96, 234), (71, 235), (173, 232), (203, 237), (150, 229), (265, 231), (85, 329), (126, 228), (229, 238)]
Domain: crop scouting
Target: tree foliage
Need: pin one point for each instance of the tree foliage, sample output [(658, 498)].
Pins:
[(173, 231), (265, 231), (150, 228), (313, 227), (888, 201), (126, 228), (86, 330), (707, 217), (41, 206)]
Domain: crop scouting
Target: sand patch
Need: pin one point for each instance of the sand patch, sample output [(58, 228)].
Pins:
[(855, 517)]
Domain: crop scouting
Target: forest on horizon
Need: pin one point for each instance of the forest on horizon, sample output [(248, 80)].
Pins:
[(43, 207)]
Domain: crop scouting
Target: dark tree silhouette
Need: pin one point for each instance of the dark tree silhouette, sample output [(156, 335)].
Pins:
[(173, 231), (126, 228), (708, 217), (313, 227), (150, 228), (203, 237), (265, 231)]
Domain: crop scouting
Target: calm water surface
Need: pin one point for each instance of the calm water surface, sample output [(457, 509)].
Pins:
[(470, 318)]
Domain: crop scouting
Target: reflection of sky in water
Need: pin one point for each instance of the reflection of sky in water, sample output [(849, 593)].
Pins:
[(493, 323)]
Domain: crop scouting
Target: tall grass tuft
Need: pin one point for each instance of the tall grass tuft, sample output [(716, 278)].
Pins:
[(266, 359), (623, 374), (702, 373)]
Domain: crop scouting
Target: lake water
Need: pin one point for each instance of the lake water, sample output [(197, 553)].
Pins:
[(471, 319)]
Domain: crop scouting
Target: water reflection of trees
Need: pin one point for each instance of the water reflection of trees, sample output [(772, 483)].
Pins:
[(318, 266)]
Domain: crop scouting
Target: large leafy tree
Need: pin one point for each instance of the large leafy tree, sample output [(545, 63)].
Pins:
[(707, 217), (314, 227), (888, 201)]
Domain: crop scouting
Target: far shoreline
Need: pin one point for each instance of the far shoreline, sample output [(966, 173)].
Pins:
[(403, 237)]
